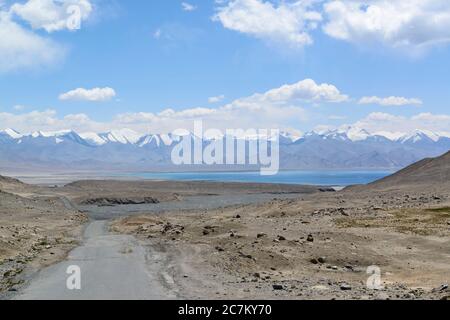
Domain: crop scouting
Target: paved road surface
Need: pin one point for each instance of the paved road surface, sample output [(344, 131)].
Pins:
[(112, 267)]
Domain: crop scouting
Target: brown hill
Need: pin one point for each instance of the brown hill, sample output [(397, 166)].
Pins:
[(432, 173), (6, 183)]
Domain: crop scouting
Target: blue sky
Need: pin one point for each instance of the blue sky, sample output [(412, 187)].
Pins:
[(156, 55)]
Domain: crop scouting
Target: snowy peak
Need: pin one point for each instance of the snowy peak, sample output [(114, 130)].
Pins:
[(11, 133), (124, 136), (421, 136), (130, 137), (93, 138)]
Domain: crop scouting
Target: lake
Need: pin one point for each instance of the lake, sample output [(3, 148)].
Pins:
[(323, 178)]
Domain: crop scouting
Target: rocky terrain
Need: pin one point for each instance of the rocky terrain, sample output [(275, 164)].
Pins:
[(316, 244), (320, 246), (35, 231)]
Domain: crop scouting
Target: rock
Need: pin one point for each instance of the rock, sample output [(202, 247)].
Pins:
[(382, 296), (257, 275), (345, 287), (247, 256), (310, 238), (237, 217), (261, 235), (220, 249), (205, 232), (281, 238), (277, 287), (441, 288), (322, 260), (314, 261)]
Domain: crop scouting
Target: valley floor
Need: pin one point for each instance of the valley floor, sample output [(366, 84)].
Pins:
[(317, 247), (224, 241)]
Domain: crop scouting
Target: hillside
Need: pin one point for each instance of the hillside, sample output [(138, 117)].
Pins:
[(430, 172)]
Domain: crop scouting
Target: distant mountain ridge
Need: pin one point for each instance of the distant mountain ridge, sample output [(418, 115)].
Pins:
[(351, 148)]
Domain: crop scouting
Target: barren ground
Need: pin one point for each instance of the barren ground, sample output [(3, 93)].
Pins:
[(315, 245)]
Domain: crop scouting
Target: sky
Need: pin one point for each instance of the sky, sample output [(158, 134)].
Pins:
[(155, 66)]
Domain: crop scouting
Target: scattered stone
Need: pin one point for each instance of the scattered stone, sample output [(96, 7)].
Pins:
[(441, 288), (247, 256), (261, 235), (349, 267), (310, 238), (277, 287), (345, 287)]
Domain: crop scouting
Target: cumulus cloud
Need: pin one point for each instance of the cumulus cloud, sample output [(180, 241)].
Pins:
[(287, 22), (412, 24), (391, 101), (53, 15), (21, 48), (94, 95), (303, 91), (282, 107)]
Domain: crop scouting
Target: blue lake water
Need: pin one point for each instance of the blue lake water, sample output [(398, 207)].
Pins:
[(323, 178)]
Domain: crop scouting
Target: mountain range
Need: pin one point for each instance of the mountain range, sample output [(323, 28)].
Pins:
[(350, 148)]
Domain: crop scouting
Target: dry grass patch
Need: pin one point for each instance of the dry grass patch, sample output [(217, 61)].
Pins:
[(434, 221)]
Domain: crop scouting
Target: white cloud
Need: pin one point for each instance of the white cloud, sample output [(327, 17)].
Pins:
[(412, 24), (95, 94), (285, 22), (387, 123), (391, 101), (303, 91), (53, 15), (21, 48), (187, 6), (216, 99), (281, 107)]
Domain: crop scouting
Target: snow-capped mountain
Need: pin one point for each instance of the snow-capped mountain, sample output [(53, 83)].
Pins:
[(347, 148)]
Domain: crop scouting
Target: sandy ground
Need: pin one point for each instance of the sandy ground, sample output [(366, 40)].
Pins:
[(39, 226), (317, 247), (313, 245), (35, 231)]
